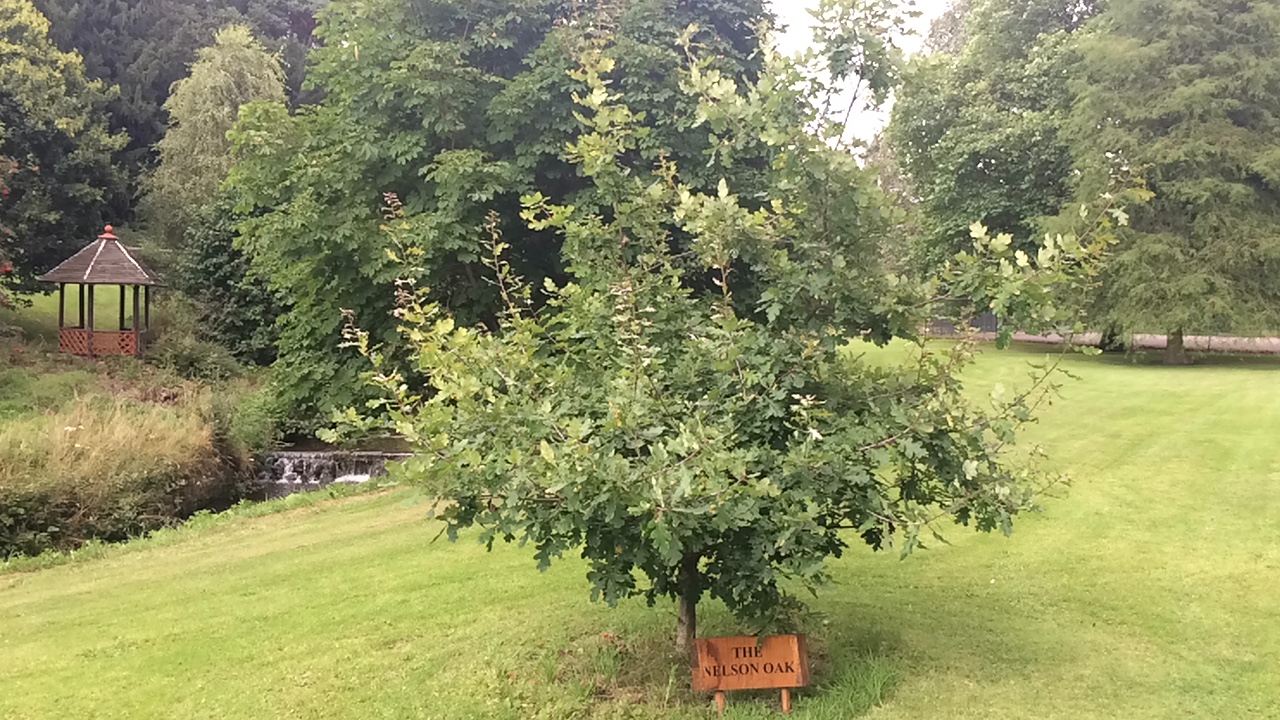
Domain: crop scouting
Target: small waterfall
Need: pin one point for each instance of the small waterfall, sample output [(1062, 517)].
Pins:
[(288, 472)]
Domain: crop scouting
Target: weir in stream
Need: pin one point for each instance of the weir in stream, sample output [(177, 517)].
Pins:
[(294, 471)]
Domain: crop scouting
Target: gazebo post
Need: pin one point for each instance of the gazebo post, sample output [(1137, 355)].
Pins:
[(122, 290), (146, 291), (62, 306), (90, 327), (81, 321), (137, 341)]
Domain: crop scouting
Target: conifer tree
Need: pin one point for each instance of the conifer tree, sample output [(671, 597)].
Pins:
[(1187, 92)]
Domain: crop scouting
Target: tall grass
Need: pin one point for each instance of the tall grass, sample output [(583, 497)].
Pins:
[(109, 468), (115, 448), (98, 444)]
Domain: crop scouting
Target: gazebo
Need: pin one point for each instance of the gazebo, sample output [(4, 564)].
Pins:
[(105, 262)]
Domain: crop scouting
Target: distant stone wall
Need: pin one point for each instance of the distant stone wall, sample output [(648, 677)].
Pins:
[(1141, 341)]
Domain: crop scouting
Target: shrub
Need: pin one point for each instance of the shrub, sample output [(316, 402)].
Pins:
[(194, 359), (232, 307), (255, 420)]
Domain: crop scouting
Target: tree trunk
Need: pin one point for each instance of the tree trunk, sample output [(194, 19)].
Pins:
[(690, 588), (1112, 341), (1175, 352)]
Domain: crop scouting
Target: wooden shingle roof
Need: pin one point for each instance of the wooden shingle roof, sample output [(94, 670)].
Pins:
[(106, 261)]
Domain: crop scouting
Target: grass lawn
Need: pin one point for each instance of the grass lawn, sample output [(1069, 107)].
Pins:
[(35, 379), (1150, 590), (39, 321)]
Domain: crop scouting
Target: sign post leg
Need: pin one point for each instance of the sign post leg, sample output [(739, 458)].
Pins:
[(720, 703), (786, 701)]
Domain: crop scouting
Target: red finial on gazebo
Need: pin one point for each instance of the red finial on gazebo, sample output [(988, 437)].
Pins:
[(108, 233)]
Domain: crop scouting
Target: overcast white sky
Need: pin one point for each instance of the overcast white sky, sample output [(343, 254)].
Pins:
[(794, 14)]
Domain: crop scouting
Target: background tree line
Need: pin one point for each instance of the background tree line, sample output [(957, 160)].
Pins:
[(253, 146), (83, 94), (1027, 107), (454, 107)]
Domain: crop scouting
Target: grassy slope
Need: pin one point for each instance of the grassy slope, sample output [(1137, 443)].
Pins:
[(1149, 591), (108, 438)]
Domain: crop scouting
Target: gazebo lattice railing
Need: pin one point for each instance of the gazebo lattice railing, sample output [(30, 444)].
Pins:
[(104, 262)]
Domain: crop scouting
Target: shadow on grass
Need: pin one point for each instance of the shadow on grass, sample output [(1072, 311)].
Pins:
[(1198, 360), (1151, 358), (854, 671), (857, 685)]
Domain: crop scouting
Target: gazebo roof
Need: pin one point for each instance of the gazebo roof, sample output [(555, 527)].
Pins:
[(106, 261)]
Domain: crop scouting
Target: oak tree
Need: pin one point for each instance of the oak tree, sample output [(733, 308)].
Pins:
[(683, 407)]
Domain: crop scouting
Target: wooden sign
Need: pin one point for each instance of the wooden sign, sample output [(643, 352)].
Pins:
[(751, 663)]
